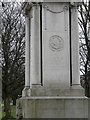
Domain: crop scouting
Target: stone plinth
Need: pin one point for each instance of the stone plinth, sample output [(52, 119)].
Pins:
[(53, 107)]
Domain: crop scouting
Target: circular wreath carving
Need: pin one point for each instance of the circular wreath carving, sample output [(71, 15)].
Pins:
[(56, 43)]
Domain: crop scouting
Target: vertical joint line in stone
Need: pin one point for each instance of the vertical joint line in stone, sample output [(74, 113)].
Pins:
[(29, 48), (27, 58), (70, 46), (41, 44)]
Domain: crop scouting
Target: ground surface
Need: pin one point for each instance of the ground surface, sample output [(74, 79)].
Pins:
[(13, 112)]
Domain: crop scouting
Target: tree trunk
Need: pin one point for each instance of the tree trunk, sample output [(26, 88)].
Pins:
[(14, 101), (87, 78), (7, 108)]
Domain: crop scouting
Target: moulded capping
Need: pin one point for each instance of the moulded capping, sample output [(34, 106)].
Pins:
[(55, 97), (53, 1), (62, 0)]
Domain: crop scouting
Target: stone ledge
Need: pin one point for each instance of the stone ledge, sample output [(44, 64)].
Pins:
[(55, 97)]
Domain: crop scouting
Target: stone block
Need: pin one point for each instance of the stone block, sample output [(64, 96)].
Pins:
[(54, 107)]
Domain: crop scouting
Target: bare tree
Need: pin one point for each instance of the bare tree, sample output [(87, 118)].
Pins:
[(84, 20), (13, 53)]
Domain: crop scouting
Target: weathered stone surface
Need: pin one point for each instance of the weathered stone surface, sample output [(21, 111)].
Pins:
[(56, 52), (50, 91), (54, 107)]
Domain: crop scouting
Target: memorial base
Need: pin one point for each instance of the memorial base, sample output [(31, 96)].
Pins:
[(52, 107)]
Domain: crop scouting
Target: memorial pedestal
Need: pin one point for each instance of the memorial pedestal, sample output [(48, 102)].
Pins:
[(52, 85)]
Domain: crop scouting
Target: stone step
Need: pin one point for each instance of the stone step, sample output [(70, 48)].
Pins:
[(46, 91)]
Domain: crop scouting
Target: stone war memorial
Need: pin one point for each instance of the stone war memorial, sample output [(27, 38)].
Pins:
[(52, 78)]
